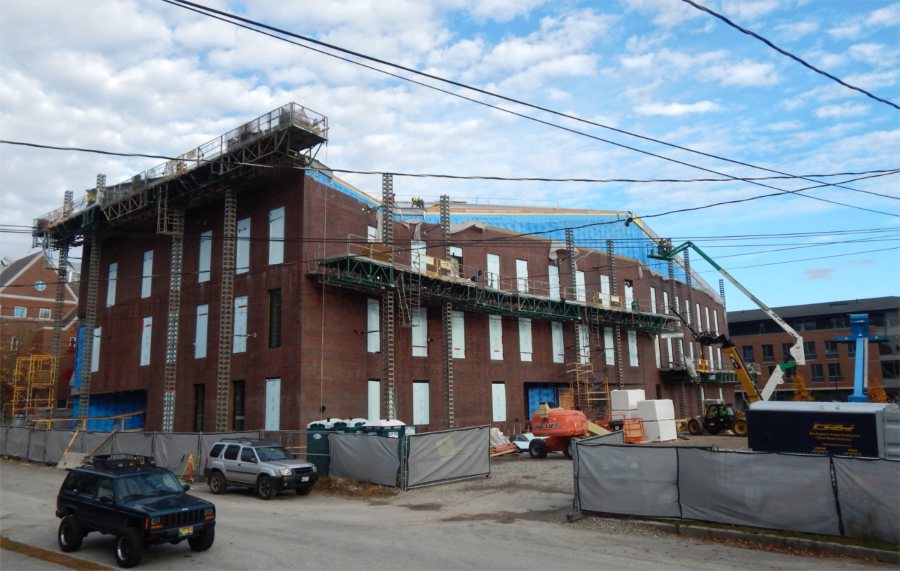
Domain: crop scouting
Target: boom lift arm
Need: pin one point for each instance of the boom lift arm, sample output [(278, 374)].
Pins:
[(665, 251)]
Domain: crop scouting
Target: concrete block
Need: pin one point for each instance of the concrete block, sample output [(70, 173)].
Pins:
[(626, 399), (662, 409), (660, 430)]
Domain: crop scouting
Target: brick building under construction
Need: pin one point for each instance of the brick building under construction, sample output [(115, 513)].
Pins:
[(243, 286)]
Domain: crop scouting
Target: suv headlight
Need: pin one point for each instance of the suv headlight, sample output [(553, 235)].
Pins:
[(314, 469), (209, 514), (155, 522), (285, 471)]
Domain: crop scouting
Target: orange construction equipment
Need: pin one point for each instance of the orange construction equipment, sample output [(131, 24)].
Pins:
[(633, 430), (555, 428)]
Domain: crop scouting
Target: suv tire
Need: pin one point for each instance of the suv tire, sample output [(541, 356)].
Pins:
[(217, 483), (129, 547), (265, 487), (203, 541), (70, 534)]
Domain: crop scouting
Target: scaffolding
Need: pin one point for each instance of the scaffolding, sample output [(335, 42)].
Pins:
[(34, 387)]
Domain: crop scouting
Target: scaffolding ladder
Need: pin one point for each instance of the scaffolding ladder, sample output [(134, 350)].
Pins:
[(387, 300), (226, 312), (34, 387), (171, 222), (447, 319)]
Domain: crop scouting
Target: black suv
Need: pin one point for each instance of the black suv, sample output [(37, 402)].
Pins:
[(135, 500)]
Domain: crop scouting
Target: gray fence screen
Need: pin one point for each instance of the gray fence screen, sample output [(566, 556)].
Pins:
[(365, 458), (856, 497), (448, 455)]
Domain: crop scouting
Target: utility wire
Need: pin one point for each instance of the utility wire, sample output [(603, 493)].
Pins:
[(788, 54), (233, 19), (480, 177)]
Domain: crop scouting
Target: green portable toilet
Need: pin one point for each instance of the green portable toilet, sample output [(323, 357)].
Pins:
[(318, 452)]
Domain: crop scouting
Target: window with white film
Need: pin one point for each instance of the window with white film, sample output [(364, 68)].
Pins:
[(205, 263), (553, 278), (522, 276), (652, 300), (200, 331), (111, 276), (580, 290), (556, 342), (373, 325), (417, 255), (493, 271), (458, 325), (525, 339), (147, 274), (495, 331), (242, 251), (609, 350), (656, 351), (666, 309), (371, 233), (419, 332), (420, 402), (632, 349), (146, 337), (95, 350), (498, 402), (582, 332), (276, 236), (239, 345), (604, 290), (373, 402)]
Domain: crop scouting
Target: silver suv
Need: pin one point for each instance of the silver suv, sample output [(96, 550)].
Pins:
[(258, 464)]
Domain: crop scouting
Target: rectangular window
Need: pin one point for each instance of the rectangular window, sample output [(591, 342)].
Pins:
[(242, 253), (276, 236), (747, 354), (656, 351), (556, 342), (147, 274), (608, 346), (831, 348), (785, 351), (553, 277), (458, 331), (629, 296), (239, 342), (652, 300), (632, 348), (818, 372), (13, 344), (522, 276), (768, 353), (851, 349), (420, 402), (525, 349), (582, 332), (200, 332), (20, 312), (495, 329), (274, 318), (419, 332), (493, 271), (373, 325), (698, 322), (417, 256), (604, 289), (111, 275), (580, 291), (273, 404), (498, 402), (371, 234), (44, 313), (666, 309), (95, 350), (670, 351), (809, 349), (373, 402), (716, 319), (834, 371), (199, 407), (146, 337), (706, 317), (237, 405), (205, 256)]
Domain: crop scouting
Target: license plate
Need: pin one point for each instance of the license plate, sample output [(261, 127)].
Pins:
[(304, 479), (186, 531)]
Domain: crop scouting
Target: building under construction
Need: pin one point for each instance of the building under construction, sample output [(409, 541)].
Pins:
[(243, 286)]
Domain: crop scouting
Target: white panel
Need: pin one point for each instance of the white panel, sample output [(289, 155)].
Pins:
[(691, 350), (498, 402), (373, 325), (419, 332), (656, 351), (496, 337), (718, 349), (553, 276), (276, 236), (111, 284), (371, 234), (632, 349), (273, 404), (493, 271), (458, 324), (698, 322), (706, 316), (604, 288), (579, 286), (242, 254), (719, 356), (200, 332), (522, 276), (525, 339), (147, 274), (556, 340), (146, 337), (652, 300), (374, 400), (420, 402), (582, 333), (666, 309), (629, 296), (670, 355), (456, 252), (659, 409), (95, 350), (417, 255), (608, 348), (239, 345), (205, 256)]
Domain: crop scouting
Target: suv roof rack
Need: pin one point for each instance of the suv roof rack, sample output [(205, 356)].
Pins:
[(120, 461)]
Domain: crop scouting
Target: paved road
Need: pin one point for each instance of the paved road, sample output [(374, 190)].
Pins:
[(466, 525)]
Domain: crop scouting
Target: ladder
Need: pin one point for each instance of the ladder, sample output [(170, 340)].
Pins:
[(226, 312), (175, 227), (447, 319), (387, 300)]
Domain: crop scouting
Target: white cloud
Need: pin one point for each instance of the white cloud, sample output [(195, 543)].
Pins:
[(677, 109), (795, 30), (744, 73), (667, 14), (749, 9), (889, 16), (846, 31), (817, 274), (841, 111)]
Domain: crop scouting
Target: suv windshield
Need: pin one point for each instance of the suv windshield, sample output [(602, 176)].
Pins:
[(148, 484), (269, 453)]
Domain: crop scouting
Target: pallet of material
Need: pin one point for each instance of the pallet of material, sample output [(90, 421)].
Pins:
[(501, 449)]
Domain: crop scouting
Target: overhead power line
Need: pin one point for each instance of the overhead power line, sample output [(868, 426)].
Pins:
[(789, 54), (248, 24)]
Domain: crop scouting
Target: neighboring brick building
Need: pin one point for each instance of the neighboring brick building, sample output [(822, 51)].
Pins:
[(321, 269), (27, 303), (828, 372)]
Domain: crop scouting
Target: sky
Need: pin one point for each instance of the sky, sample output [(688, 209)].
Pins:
[(151, 77)]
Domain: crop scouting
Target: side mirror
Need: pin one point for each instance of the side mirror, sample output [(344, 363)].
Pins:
[(185, 487)]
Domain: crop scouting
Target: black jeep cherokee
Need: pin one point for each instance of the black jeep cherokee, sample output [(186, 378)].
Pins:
[(135, 500)]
